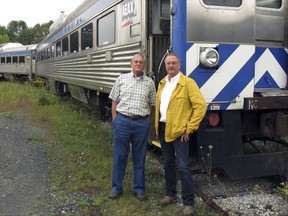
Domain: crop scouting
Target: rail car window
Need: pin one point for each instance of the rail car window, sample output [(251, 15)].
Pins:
[(269, 3), (15, 59), (8, 59), (53, 51), (87, 37), (41, 56), (48, 53), (74, 42), (45, 54), (65, 49), (165, 8), (2, 59), (21, 59), (58, 49), (106, 29), (227, 3)]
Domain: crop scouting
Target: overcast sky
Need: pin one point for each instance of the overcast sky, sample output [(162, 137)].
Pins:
[(34, 11)]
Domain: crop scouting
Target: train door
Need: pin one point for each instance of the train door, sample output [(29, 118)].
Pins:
[(271, 39), (271, 23), (158, 36)]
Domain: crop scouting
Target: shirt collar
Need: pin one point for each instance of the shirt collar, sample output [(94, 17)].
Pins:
[(134, 76), (173, 79)]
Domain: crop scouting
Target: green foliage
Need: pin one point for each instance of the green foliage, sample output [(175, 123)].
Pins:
[(283, 189), (43, 99), (15, 28), (4, 38), (18, 31)]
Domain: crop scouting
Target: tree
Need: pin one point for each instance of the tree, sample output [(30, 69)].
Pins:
[(26, 36), (41, 31), (15, 28), (4, 38), (18, 31)]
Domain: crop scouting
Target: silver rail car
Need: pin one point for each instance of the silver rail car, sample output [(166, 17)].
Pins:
[(96, 42), (17, 63), (236, 51), (92, 47)]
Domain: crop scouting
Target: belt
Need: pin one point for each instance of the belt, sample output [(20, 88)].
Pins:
[(134, 117)]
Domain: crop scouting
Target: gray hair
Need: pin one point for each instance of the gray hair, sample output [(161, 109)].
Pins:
[(175, 55), (138, 54)]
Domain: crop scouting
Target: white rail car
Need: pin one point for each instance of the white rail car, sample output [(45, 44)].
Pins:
[(17, 62)]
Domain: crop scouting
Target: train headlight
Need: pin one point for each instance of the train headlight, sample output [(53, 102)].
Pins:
[(209, 57)]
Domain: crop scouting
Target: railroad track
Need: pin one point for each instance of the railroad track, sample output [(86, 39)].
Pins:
[(228, 197)]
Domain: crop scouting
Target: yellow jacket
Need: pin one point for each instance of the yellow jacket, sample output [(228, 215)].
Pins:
[(185, 111)]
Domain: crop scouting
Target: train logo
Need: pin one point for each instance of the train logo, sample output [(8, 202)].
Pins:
[(128, 12)]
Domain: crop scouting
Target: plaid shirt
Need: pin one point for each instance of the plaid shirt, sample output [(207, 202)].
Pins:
[(134, 95)]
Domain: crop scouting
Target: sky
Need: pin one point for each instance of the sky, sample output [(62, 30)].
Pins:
[(34, 11)]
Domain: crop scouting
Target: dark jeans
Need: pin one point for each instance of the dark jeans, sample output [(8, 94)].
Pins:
[(128, 132), (176, 153)]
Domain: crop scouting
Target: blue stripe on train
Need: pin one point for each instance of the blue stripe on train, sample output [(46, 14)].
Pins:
[(201, 75), (282, 57), (237, 84)]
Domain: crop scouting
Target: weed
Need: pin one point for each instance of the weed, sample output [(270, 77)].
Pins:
[(283, 189), (43, 99)]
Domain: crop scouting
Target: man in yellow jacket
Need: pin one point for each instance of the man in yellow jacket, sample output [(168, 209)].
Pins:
[(180, 107)]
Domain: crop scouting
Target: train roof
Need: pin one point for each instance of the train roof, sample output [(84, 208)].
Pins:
[(84, 12), (5, 46), (20, 48), (67, 17)]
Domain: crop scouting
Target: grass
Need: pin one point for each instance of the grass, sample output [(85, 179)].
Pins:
[(79, 152)]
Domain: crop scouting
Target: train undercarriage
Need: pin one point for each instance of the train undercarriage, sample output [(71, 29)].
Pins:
[(248, 143)]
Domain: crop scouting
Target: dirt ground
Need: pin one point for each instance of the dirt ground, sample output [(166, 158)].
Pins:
[(24, 182)]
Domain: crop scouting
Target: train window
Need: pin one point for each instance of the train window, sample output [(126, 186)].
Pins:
[(58, 49), (269, 3), (45, 54), (74, 42), (65, 49), (48, 53), (87, 37), (15, 59), (8, 59), (21, 59), (2, 59), (164, 8), (106, 29), (227, 3), (53, 51)]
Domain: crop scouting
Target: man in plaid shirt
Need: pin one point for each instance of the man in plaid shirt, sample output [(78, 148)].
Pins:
[(133, 98)]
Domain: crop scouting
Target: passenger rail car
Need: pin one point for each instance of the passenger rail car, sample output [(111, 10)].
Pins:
[(18, 63), (236, 50)]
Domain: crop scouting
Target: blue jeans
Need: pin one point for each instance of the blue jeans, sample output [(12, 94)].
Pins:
[(176, 153), (125, 132)]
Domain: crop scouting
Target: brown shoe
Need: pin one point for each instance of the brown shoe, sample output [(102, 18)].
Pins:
[(167, 200), (140, 196), (114, 195), (187, 211)]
